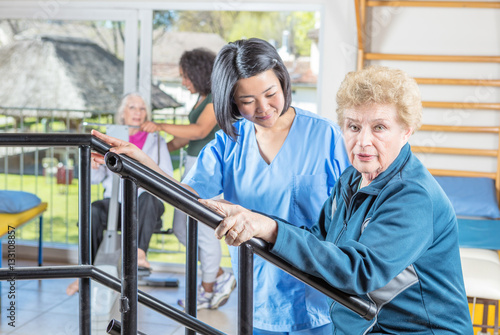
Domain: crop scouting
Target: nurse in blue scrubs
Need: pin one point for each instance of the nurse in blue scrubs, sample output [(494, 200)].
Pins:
[(269, 156)]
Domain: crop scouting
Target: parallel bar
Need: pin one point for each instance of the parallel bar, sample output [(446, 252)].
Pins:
[(129, 257), (115, 328), (455, 151), (157, 305), (433, 58), (458, 173), (444, 4), (37, 140), (451, 81), (245, 290), (460, 129), (40, 240), (461, 105), (84, 237), (191, 269), (89, 271), (167, 190), (47, 272)]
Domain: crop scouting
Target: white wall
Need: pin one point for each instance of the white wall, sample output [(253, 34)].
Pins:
[(445, 31)]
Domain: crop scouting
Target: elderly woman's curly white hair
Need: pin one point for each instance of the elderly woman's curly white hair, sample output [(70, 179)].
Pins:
[(381, 85)]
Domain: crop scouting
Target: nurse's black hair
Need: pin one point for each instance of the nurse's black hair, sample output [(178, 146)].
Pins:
[(239, 60)]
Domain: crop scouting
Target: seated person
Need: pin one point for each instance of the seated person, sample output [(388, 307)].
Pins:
[(387, 233), (132, 112)]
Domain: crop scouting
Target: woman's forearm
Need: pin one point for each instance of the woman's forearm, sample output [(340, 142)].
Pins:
[(177, 143), (187, 131)]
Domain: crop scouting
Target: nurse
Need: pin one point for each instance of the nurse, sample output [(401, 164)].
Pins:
[(269, 156)]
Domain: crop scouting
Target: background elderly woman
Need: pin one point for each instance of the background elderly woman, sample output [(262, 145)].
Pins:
[(132, 112), (388, 232)]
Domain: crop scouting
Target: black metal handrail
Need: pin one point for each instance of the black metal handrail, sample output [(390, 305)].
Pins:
[(84, 270), (187, 202), (175, 195)]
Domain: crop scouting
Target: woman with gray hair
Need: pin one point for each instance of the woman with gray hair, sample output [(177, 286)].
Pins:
[(132, 112)]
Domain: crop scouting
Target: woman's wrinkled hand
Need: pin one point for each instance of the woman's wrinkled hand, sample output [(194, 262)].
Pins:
[(239, 224)]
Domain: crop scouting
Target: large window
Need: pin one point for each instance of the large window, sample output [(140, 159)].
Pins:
[(294, 34), (66, 63)]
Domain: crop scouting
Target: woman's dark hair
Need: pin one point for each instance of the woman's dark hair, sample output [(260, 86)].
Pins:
[(239, 60), (197, 65)]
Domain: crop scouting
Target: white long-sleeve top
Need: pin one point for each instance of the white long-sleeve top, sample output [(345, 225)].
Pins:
[(154, 146)]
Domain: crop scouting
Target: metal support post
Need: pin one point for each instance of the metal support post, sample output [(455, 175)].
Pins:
[(128, 306), (84, 237), (191, 269), (245, 289)]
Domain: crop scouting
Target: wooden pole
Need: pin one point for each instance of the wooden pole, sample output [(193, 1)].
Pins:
[(455, 151), (465, 82), (461, 105), (433, 58), (444, 4), (460, 129)]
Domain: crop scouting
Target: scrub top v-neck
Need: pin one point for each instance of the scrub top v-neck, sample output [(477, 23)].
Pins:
[(253, 139), (293, 186)]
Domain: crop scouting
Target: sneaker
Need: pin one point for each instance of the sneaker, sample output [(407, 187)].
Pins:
[(203, 299), (223, 287)]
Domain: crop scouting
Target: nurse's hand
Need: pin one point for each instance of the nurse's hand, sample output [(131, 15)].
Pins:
[(239, 224), (150, 127), (129, 149)]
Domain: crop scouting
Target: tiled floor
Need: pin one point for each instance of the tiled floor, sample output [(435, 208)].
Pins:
[(43, 308)]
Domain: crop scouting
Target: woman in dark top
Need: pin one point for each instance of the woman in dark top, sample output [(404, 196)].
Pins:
[(195, 68)]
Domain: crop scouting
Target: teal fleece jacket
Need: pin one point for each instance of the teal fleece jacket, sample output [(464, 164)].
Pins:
[(393, 242)]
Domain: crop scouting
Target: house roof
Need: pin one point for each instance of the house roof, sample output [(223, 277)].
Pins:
[(168, 48), (64, 73)]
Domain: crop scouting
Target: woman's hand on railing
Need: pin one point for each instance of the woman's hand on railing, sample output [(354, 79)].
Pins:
[(239, 224), (129, 149), (123, 147)]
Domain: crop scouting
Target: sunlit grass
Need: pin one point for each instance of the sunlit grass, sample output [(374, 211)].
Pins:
[(61, 217)]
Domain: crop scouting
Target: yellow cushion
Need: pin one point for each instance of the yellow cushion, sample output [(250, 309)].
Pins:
[(18, 219)]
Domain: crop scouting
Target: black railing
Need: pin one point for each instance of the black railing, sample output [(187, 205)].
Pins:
[(137, 175)]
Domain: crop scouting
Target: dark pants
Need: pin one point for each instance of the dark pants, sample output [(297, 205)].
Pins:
[(150, 210)]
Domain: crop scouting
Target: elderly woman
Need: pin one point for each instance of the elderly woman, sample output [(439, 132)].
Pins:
[(132, 112), (388, 232)]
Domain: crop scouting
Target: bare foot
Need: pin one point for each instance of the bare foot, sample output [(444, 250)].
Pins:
[(141, 259), (72, 288)]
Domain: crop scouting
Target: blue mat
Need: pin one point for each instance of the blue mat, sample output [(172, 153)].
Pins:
[(479, 233)]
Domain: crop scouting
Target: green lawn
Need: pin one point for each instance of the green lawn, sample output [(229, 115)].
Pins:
[(60, 220)]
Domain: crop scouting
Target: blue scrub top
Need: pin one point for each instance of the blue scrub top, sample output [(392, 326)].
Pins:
[(294, 187)]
